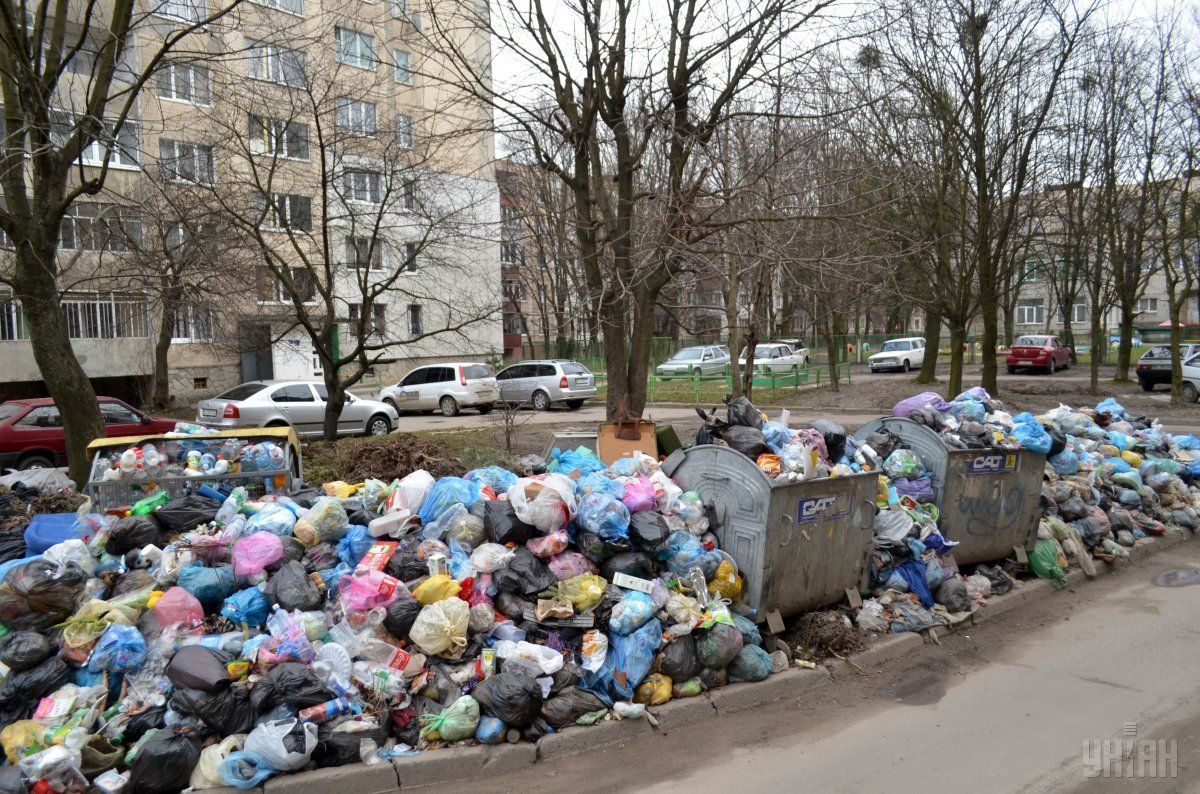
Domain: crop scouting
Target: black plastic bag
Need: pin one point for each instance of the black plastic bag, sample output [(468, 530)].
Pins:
[(952, 594), (1058, 440), (134, 532), (23, 650), (406, 566), (223, 713), (883, 442), (513, 696), (597, 549), (511, 604), (292, 683), (12, 545), (198, 667), (362, 517), (40, 594), (20, 692), (569, 705), (747, 440), (503, 526), (400, 617), (1072, 508), (307, 497), (338, 748), (164, 763), (648, 530), (291, 588), (320, 557), (678, 661), (742, 413), (185, 513), (716, 647), (613, 595), (11, 780), (834, 435), (138, 724), (630, 563), (525, 574), (293, 550), (132, 581)]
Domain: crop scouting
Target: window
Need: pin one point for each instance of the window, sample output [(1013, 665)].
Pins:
[(119, 414), (1034, 270), (199, 383), (403, 67), (512, 323), (272, 289), (410, 257), (404, 131), (364, 253), (274, 63), (187, 162), (101, 318), (378, 321), (295, 393), (512, 253), (514, 289), (399, 9), (42, 416), (1030, 311), (291, 6), (99, 227), (1147, 305), (289, 212), (408, 194), (278, 138), (12, 319), (185, 10), (414, 319), (353, 48), (1079, 314), (193, 324), (118, 145), (362, 186), (357, 117), (185, 82)]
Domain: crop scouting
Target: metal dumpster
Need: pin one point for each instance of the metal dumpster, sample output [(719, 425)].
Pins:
[(988, 498), (799, 545)]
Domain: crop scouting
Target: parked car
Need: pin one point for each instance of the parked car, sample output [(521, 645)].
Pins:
[(299, 403), (545, 383), (776, 357), (31, 431), (448, 388), (1038, 352), (1154, 367), (899, 354), (705, 359), (1191, 377)]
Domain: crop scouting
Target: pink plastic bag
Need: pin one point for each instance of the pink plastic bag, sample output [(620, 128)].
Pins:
[(255, 552), (367, 589), (639, 495), (569, 564), (178, 606), (549, 545)]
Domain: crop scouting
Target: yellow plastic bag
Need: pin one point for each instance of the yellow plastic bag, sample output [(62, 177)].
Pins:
[(436, 588), (1132, 458), (93, 619), (1108, 451), (654, 690), (726, 582), (441, 628), (583, 591), (21, 738), (340, 489)]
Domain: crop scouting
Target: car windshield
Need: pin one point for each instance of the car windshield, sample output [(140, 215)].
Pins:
[(689, 354), (1194, 361), (894, 345), (242, 392), (761, 351), (1031, 341), (474, 371), (9, 410), (573, 368)]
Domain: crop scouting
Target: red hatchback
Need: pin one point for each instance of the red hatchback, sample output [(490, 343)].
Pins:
[(1038, 352), (31, 433)]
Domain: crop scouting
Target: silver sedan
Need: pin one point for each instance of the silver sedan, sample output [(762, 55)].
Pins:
[(706, 360), (298, 403)]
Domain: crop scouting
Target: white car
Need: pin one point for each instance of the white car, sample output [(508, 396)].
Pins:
[(772, 357), (899, 354), (447, 387), (706, 360), (1191, 379), (299, 403)]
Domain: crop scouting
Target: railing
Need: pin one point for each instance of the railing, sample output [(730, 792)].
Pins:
[(772, 382)]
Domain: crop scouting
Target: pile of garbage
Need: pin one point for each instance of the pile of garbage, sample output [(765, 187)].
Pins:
[(210, 642), (189, 456), (778, 451)]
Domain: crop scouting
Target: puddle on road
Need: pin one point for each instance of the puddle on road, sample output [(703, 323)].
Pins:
[(1177, 577), (917, 688)]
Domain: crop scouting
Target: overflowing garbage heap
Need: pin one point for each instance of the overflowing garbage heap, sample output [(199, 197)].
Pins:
[(202, 642)]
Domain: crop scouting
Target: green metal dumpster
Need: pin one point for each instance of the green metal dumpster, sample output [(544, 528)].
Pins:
[(988, 498), (799, 545)]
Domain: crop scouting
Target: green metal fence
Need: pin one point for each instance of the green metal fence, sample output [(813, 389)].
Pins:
[(697, 388)]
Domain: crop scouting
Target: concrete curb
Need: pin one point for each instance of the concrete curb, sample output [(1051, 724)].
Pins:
[(470, 762)]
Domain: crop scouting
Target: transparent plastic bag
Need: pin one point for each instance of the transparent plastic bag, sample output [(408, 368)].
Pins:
[(325, 522), (639, 495), (603, 515), (207, 773), (546, 501), (490, 557), (409, 493), (454, 723), (267, 742), (441, 628)]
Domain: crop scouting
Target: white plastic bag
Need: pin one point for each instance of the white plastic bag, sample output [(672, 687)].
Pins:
[(409, 493), (893, 525), (441, 628), (552, 504), (548, 660), (266, 741), (206, 774), (665, 491), (490, 557), (73, 550)]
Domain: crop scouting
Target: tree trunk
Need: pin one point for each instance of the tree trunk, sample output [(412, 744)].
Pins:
[(1009, 323), (933, 335), (1069, 337), (161, 390), (831, 351), (1176, 342), (958, 335), (1098, 347), (333, 405), (35, 285), (1125, 345), (987, 307)]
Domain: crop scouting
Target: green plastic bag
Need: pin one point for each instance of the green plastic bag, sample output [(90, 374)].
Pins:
[(1043, 561), (455, 723)]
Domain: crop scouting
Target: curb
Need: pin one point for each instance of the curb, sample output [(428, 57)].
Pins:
[(461, 763)]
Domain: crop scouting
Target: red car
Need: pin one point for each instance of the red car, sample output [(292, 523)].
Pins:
[(31, 433), (1038, 352)]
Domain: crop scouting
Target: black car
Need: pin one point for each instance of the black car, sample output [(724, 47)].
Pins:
[(1154, 366)]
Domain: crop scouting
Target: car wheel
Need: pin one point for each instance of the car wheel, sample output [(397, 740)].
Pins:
[(905, 366), (1189, 393), (1012, 370), (449, 406), (392, 403), (378, 426), (541, 401), (484, 410), (574, 405), (1146, 385), (35, 461)]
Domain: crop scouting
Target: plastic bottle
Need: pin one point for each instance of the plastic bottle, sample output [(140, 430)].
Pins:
[(231, 641), (221, 466), (328, 710), (389, 524), (193, 463), (128, 462), (262, 458), (149, 504), (231, 507), (207, 462)]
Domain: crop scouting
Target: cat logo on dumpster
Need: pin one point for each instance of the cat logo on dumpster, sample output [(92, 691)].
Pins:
[(992, 463), (818, 508)]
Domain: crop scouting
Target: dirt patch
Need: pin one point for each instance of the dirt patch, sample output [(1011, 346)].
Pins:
[(817, 636), (383, 458)]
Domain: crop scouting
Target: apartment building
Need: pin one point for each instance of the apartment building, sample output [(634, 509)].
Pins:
[(289, 162)]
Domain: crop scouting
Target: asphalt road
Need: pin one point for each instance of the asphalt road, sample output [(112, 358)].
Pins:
[(1039, 700)]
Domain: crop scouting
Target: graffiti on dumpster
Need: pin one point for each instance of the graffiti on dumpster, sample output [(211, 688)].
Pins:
[(819, 508), (992, 516), (992, 463)]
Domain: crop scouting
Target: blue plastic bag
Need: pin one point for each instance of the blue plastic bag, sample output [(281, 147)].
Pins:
[(1031, 435), (1193, 469), (120, 649), (1065, 462), (631, 612), (1110, 406), (627, 663), (490, 730), (578, 462), (459, 563), (332, 577), (273, 518), (600, 482), (626, 467), (1186, 442), (494, 477), (968, 410), (354, 545), (975, 393), (777, 435), (1118, 440), (208, 585), (247, 606), (751, 664), (1119, 465), (603, 515), (445, 493)]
